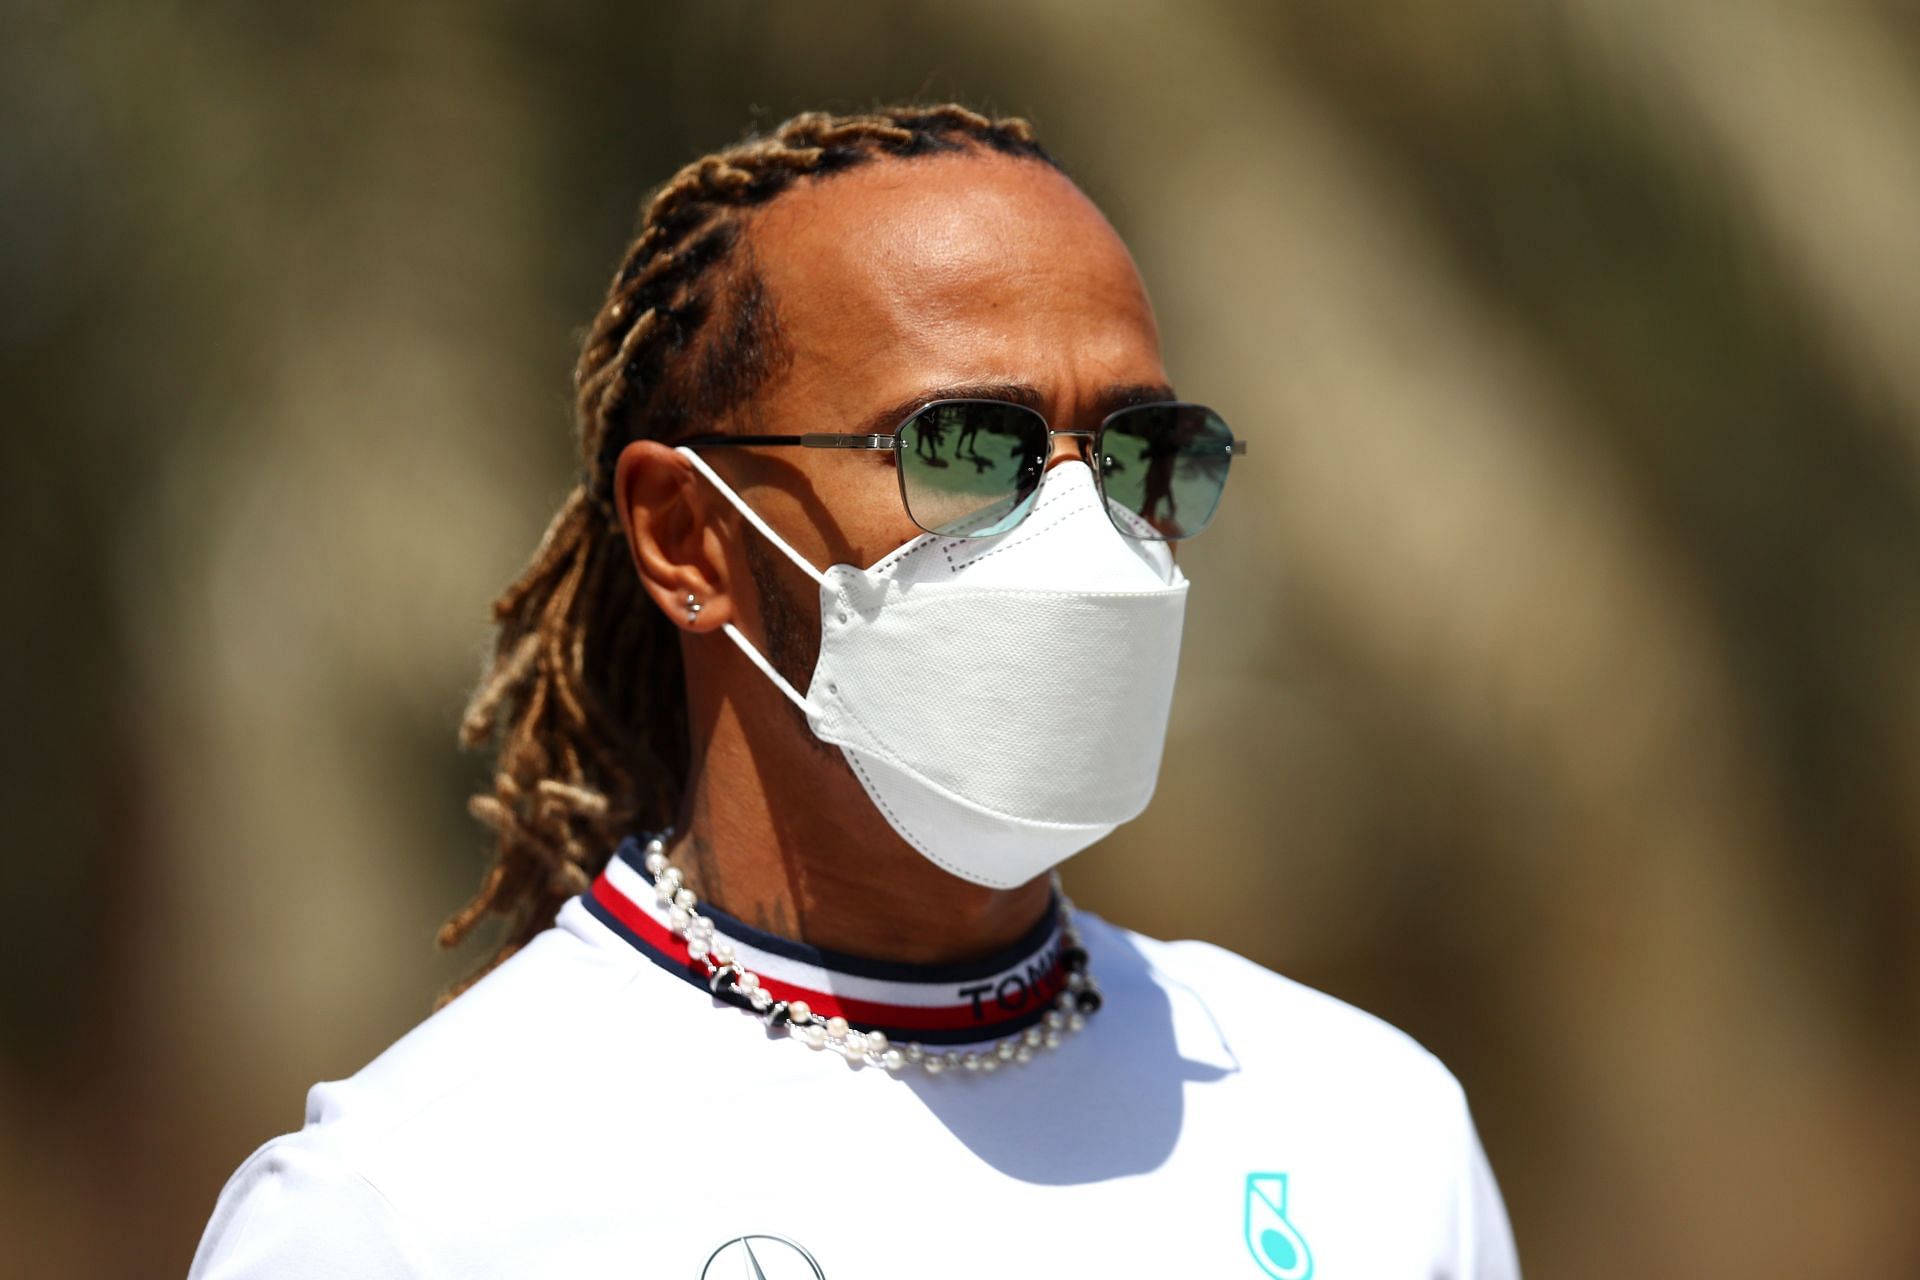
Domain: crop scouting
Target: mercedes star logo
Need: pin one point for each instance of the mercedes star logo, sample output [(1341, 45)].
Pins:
[(761, 1257)]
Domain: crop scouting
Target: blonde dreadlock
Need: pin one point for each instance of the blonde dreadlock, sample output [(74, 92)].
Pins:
[(585, 686)]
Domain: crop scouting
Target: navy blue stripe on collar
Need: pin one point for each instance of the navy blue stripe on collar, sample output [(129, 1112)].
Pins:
[(987, 1030), (632, 851)]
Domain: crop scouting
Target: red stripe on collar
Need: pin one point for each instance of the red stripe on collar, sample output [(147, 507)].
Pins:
[(945, 1008)]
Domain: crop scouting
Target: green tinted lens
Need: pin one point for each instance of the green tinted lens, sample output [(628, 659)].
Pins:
[(970, 468), (1163, 467)]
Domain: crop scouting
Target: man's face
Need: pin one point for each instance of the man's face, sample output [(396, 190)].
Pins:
[(908, 281)]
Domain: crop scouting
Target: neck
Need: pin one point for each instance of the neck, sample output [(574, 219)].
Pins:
[(777, 831)]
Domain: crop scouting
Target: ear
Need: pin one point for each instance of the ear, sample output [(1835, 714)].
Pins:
[(678, 550)]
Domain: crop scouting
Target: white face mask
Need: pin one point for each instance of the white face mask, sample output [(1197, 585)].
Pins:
[(1003, 700)]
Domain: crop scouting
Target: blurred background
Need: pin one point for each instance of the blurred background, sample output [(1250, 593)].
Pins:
[(1552, 677)]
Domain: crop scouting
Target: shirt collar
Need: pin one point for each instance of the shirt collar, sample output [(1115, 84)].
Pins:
[(931, 1004)]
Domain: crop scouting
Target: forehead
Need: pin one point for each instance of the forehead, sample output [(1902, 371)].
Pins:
[(947, 270)]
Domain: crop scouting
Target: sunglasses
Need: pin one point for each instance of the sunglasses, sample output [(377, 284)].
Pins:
[(971, 468)]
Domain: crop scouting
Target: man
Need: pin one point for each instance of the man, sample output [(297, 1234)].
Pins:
[(796, 725)]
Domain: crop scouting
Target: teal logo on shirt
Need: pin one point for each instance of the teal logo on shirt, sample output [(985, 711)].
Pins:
[(1275, 1243)]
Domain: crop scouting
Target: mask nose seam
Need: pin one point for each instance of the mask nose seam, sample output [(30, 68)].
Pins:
[(888, 566)]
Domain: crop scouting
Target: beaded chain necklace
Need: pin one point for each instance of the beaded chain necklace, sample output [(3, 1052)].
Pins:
[(728, 979)]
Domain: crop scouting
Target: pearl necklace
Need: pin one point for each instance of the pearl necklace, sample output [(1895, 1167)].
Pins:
[(728, 979)]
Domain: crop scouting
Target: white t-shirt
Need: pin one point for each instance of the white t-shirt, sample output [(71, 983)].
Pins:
[(589, 1109)]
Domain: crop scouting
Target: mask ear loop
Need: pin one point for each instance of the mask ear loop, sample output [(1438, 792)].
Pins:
[(766, 531)]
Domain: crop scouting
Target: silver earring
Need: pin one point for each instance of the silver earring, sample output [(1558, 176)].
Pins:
[(693, 608)]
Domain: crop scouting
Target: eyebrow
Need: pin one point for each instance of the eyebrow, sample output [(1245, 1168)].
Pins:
[(1106, 401)]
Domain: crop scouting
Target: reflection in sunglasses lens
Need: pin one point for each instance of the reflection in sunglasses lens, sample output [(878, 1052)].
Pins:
[(1163, 468), (970, 468)]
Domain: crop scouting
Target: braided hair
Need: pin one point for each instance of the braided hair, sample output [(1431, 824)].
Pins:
[(585, 691)]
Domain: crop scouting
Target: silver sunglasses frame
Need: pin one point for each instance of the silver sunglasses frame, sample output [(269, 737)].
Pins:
[(897, 443)]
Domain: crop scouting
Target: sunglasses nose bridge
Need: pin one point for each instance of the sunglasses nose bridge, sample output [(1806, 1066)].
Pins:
[(1064, 445)]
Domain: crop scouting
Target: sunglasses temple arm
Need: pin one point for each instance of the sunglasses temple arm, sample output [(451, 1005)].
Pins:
[(721, 442), (811, 440), (829, 440)]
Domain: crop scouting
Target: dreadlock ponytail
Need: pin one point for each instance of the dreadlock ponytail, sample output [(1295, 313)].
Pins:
[(584, 693)]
